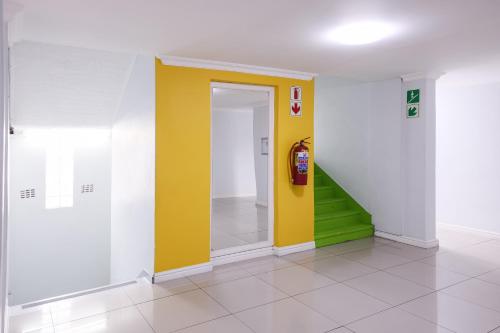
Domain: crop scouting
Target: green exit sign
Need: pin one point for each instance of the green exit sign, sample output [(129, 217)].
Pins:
[(413, 103), (413, 96)]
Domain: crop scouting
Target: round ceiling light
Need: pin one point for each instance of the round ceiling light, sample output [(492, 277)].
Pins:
[(361, 33)]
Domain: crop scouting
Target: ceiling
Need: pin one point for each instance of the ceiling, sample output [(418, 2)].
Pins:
[(433, 35), (60, 86), (238, 99)]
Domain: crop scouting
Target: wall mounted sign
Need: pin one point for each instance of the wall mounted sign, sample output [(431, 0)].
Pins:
[(413, 103), (296, 101)]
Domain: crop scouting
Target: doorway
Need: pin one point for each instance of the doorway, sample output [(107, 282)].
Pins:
[(242, 193)]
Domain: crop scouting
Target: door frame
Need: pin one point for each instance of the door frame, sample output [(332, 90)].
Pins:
[(270, 170)]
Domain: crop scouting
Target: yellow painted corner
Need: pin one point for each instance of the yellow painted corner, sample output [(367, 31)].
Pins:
[(182, 213)]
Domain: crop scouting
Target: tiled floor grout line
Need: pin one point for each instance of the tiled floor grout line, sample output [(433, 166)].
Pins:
[(229, 312), (144, 318)]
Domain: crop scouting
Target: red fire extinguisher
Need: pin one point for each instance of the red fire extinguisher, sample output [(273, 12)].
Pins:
[(298, 159)]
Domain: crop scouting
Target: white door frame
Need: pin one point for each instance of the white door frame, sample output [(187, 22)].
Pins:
[(270, 170)]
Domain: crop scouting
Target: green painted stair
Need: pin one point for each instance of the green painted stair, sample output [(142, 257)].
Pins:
[(337, 216)]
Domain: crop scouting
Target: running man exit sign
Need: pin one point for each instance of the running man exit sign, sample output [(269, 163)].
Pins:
[(413, 103)]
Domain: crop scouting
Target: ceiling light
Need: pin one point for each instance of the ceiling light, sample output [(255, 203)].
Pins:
[(361, 33)]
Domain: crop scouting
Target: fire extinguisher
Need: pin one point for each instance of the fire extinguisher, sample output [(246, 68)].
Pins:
[(298, 161)]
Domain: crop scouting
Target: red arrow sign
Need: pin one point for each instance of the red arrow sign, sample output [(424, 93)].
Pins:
[(296, 108)]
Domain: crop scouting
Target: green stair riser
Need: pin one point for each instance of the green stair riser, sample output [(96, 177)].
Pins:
[(318, 180), (329, 224), (324, 193), (344, 237), (333, 207)]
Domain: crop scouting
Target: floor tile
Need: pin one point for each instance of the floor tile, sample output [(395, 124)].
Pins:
[(181, 311), (237, 221), (492, 277), (127, 320), (88, 305), (486, 251), (454, 239), (395, 321), (287, 316), (341, 303), (295, 280), (376, 258), (460, 263), (408, 251), (341, 330), (219, 275), (307, 256), (339, 269), (245, 293), (265, 264), (144, 291), (453, 313), (388, 288), (351, 246), (496, 331), (31, 320), (427, 275), (228, 324), (476, 291)]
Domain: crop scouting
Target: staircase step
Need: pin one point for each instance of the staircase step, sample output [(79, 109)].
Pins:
[(331, 222), (319, 180), (330, 206), (343, 234), (324, 192), (337, 215)]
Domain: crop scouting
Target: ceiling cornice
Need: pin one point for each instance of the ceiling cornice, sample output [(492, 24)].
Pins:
[(421, 76), (233, 67)]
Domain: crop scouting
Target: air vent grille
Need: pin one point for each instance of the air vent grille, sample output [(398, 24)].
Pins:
[(28, 193), (87, 188)]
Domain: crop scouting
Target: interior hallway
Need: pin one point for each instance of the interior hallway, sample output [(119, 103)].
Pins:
[(366, 286), (238, 221)]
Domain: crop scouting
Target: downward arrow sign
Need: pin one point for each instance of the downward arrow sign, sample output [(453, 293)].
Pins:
[(296, 108)]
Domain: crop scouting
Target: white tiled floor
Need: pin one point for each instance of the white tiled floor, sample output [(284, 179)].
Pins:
[(366, 286), (237, 221)]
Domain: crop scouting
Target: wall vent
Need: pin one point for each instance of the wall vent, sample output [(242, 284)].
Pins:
[(87, 188), (28, 193)]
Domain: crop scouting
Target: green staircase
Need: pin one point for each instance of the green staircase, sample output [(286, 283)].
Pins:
[(337, 216)]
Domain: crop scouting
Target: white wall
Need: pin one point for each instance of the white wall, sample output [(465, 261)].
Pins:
[(133, 176), (63, 250), (260, 130), (3, 167), (233, 170), (358, 143), (468, 159)]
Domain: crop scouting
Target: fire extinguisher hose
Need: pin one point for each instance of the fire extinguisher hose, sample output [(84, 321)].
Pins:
[(290, 161)]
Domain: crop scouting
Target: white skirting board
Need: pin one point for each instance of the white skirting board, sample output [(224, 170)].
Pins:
[(284, 250), (182, 272), (467, 229), (230, 258), (261, 203), (240, 256), (408, 240)]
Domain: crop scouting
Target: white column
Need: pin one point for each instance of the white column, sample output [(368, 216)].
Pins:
[(418, 157)]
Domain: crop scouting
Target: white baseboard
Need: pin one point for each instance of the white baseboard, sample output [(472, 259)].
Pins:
[(182, 272), (261, 203), (468, 229), (240, 256), (241, 195), (408, 240), (284, 250), (16, 308)]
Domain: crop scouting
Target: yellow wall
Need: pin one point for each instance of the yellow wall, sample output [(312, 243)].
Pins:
[(183, 163)]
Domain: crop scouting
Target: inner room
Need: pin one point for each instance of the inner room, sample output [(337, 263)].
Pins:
[(240, 157)]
